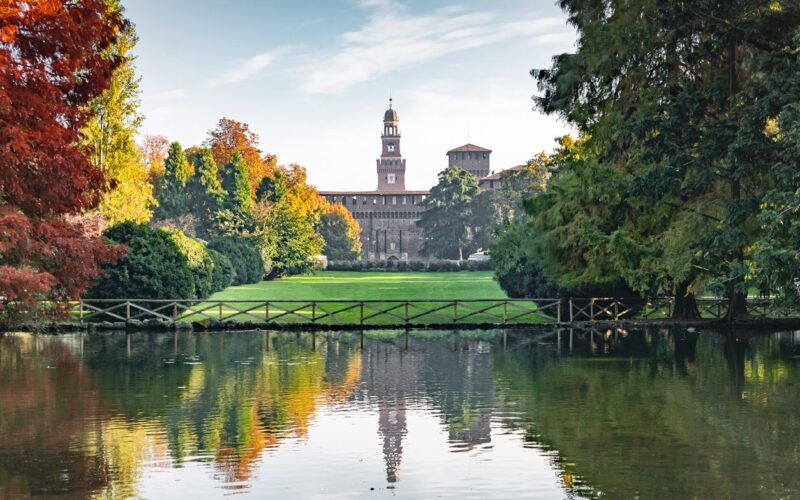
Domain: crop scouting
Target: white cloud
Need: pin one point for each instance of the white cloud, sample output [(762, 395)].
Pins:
[(247, 68), (392, 40)]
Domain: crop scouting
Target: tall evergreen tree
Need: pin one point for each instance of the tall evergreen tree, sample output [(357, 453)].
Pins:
[(204, 189), (236, 184), (172, 198), (110, 136), (448, 211)]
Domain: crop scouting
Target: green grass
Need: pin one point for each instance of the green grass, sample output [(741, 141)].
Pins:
[(422, 288), (342, 285)]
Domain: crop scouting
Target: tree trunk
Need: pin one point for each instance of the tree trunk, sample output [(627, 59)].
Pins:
[(685, 303)]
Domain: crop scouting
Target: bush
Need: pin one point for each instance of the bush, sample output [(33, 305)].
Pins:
[(223, 274), (154, 267), (405, 266), (200, 263), (244, 255)]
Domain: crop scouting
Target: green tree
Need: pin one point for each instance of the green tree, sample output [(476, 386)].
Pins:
[(296, 242), (172, 198), (674, 96), (204, 190), (110, 135), (244, 256), (235, 183), (448, 212), (273, 188)]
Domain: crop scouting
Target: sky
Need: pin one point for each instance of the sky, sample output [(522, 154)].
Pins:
[(313, 79)]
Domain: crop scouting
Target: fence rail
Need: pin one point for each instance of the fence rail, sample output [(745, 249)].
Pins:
[(407, 312)]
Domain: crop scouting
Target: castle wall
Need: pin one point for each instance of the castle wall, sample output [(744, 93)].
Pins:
[(388, 222)]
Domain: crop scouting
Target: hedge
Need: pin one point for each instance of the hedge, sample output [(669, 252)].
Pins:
[(414, 265)]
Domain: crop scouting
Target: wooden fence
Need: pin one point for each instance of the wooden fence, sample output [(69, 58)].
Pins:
[(408, 312)]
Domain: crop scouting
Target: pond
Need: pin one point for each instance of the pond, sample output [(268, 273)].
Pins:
[(470, 414)]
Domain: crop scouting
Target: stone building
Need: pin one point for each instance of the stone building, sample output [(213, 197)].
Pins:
[(388, 216)]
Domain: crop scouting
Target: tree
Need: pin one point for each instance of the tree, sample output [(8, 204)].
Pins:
[(675, 95), (154, 149), (274, 188), (448, 212), (154, 267), (110, 136), (244, 256), (495, 208), (172, 197), (341, 233), (54, 60), (231, 136), (296, 242), (236, 184), (204, 189)]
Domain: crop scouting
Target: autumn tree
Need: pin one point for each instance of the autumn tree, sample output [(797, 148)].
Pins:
[(154, 150), (54, 61), (231, 136), (341, 233), (110, 136)]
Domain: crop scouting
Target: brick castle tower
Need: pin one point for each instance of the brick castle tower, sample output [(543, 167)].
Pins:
[(391, 166)]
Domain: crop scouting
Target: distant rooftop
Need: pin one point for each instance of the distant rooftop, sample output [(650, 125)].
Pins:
[(469, 148)]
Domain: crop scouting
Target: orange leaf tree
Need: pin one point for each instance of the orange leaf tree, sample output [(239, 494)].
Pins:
[(52, 64)]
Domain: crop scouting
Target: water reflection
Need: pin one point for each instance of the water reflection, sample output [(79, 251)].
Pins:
[(538, 413)]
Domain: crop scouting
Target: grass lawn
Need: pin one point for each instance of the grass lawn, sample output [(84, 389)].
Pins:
[(343, 285), (421, 287)]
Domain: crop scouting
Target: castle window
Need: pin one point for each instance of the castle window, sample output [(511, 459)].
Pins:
[(390, 178), (391, 246), (390, 147), (404, 200), (394, 200)]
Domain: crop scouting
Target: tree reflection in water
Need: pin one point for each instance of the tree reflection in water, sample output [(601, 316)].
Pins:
[(652, 414)]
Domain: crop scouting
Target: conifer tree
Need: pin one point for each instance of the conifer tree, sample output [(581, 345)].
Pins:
[(204, 188), (236, 184), (172, 199)]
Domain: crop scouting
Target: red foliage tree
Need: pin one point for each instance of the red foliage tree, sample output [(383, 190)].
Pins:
[(53, 61), (231, 137)]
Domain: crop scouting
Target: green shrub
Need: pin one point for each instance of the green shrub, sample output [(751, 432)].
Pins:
[(152, 268), (223, 273), (244, 255), (200, 262)]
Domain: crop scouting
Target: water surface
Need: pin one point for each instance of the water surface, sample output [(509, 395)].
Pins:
[(486, 414)]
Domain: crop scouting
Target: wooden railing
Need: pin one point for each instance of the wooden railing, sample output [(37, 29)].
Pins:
[(325, 312), (408, 312)]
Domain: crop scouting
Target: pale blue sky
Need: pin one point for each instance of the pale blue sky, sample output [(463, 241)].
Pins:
[(313, 78)]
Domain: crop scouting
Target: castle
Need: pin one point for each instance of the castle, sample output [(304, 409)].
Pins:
[(388, 216)]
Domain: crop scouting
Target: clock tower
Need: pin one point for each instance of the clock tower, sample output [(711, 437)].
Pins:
[(391, 166)]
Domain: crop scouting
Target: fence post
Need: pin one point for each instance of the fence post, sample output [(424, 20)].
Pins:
[(406, 313), (266, 312), (81, 313), (361, 307), (558, 316), (127, 310), (455, 311), (220, 311), (591, 310), (505, 312), (571, 318), (175, 310), (616, 310), (313, 312)]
